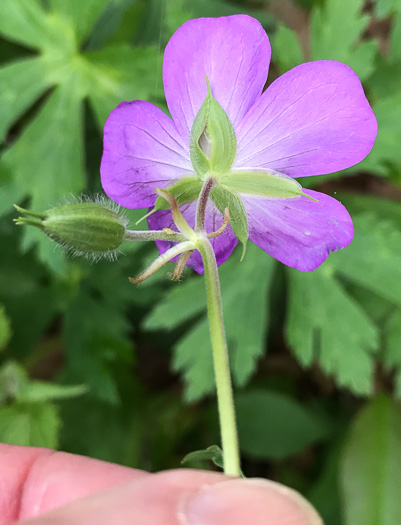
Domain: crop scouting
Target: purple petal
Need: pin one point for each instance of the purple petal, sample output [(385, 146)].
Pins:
[(142, 151), (299, 232), (223, 245), (233, 52), (313, 120)]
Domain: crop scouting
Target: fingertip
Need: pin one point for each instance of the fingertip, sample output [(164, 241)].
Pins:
[(255, 501)]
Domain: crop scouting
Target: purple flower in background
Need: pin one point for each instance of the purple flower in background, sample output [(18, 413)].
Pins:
[(313, 120)]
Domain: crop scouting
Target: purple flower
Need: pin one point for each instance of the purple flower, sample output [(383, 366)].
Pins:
[(313, 120)]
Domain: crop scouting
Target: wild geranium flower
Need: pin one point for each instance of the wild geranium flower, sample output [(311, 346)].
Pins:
[(313, 120)]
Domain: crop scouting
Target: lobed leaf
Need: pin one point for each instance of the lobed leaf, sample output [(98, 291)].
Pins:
[(82, 15), (326, 43), (95, 333), (120, 73), (371, 465), (25, 22), (5, 328), (50, 173), (287, 48), (326, 325), (33, 425), (392, 346), (21, 83), (373, 259), (245, 334)]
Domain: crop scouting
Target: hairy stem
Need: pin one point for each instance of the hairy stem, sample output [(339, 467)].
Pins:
[(153, 235), (202, 203), (225, 400)]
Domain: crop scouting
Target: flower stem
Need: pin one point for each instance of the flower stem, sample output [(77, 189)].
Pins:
[(153, 235), (202, 203), (225, 400)]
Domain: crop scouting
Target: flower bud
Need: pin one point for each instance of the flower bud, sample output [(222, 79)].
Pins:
[(91, 229)]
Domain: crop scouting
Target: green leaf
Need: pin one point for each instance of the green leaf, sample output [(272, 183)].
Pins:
[(385, 80), (21, 83), (81, 15), (16, 385), (5, 328), (47, 159), (373, 259), (223, 199), (95, 333), (178, 305), (27, 292), (327, 326), (39, 391), (287, 48), (386, 153), (395, 38), (27, 23), (120, 73), (392, 354), (371, 465), (34, 425), (212, 453), (245, 334), (363, 204), (13, 377), (326, 44), (267, 183), (275, 426), (179, 11), (213, 143), (46, 162), (24, 21), (324, 494), (386, 7)]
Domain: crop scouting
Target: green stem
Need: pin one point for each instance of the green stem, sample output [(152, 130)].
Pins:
[(225, 400)]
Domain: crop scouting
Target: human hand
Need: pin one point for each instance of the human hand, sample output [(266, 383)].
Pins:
[(43, 487)]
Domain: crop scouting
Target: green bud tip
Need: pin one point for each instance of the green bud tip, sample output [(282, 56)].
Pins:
[(92, 229)]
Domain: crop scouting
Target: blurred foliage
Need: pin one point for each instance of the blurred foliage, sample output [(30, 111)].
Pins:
[(93, 365)]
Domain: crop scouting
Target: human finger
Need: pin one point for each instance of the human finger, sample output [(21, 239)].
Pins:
[(35, 480), (186, 497)]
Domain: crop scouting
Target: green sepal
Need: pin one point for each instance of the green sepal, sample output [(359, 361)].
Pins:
[(266, 183), (213, 143), (223, 199), (185, 190)]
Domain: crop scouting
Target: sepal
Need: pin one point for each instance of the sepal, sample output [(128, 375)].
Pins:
[(213, 143), (263, 182)]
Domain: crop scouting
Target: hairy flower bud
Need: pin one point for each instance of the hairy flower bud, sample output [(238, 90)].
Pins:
[(91, 229)]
